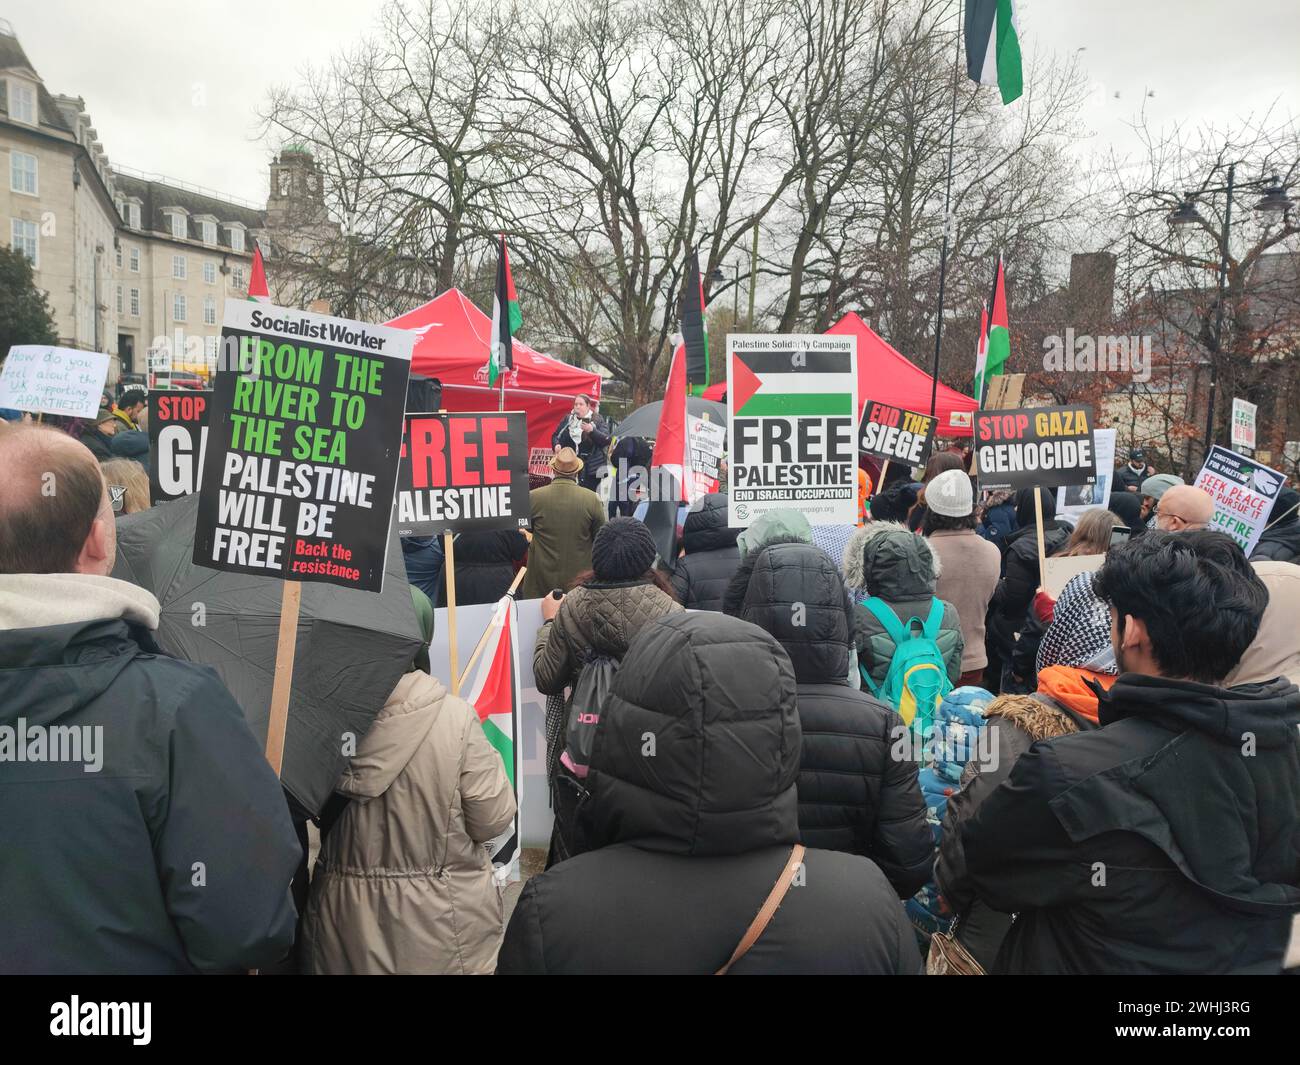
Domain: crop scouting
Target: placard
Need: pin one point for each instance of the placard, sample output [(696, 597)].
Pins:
[(1043, 446), (792, 413), (463, 472), (1059, 569), (707, 442), (1243, 424), (1073, 500), (178, 438), (305, 432), (47, 380), (1243, 491), (895, 434)]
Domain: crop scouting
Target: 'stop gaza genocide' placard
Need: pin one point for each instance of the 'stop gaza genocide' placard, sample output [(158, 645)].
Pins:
[(792, 407), (304, 434), (1044, 446)]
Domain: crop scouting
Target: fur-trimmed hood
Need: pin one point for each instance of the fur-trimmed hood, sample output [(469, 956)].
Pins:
[(890, 561)]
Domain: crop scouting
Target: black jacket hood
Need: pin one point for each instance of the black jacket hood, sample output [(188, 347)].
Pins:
[(1025, 515), (796, 594), (706, 528), (698, 748)]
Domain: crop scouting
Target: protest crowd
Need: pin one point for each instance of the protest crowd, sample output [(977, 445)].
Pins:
[(897, 740)]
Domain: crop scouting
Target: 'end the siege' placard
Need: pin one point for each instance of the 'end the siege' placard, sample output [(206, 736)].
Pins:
[(178, 437), (896, 434), (305, 430), (1043, 446), (792, 409), (462, 472)]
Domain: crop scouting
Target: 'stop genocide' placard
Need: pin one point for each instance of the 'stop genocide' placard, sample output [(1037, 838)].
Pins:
[(305, 430), (1043, 446), (792, 411), (895, 434)]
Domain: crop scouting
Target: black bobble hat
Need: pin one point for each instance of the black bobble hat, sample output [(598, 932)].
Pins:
[(623, 550)]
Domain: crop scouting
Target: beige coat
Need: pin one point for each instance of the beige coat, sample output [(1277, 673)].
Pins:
[(404, 884), (969, 575), (1275, 652)]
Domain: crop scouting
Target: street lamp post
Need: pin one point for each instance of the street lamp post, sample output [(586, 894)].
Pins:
[(1275, 202)]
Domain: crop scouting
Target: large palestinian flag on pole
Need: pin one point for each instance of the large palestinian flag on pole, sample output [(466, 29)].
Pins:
[(999, 335), (497, 697), (993, 46), (506, 319), (695, 330), (774, 384)]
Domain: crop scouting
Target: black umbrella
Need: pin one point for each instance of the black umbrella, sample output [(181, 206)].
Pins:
[(353, 646), (644, 421)]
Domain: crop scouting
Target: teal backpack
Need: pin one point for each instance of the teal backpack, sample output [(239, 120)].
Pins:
[(917, 679)]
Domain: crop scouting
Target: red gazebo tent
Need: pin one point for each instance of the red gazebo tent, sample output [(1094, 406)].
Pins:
[(453, 347), (888, 376)]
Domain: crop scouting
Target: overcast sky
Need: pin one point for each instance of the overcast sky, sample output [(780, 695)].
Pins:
[(173, 87)]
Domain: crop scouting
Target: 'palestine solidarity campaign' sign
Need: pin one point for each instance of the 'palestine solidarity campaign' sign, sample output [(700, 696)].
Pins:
[(792, 407), (305, 428), (463, 471), (1043, 446)]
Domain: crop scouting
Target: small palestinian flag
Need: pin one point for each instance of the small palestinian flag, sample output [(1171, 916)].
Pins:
[(999, 339), (497, 698), (793, 384), (506, 319), (981, 354), (993, 46), (257, 290)]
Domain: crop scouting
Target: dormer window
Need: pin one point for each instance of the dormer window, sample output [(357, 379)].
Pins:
[(132, 215), (22, 102), (176, 224), (207, 229), (236, 237)]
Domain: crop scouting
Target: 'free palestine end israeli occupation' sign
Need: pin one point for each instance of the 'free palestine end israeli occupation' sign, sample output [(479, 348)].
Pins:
[(304, 435)]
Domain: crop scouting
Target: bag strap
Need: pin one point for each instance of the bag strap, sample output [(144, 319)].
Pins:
[(875, 688), (933, 620), (764, 916), (889, 621)]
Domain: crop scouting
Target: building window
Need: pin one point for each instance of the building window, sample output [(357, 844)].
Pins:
[(117, 256), (178, 225), (210, 348), (208, 232), (178, 307), (120, 301), (22, 173), (209, 272), (178, 267), (236, 238), (237, 279), (22, 103), (133, 258), (209, 310), (135, 303), (133, 215), (23, 239)]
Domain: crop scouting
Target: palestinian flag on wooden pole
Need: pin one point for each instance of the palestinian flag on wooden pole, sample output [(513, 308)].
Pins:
[(257, 290), (993, 46), (998, 343), (670, 465), (981, 354), (497, 698), (506, 319), (695, 331)]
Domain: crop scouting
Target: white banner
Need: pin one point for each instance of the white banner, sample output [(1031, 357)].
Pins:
[(48, 380), (1073, 500)]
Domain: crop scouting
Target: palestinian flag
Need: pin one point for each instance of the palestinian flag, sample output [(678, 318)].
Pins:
[(257, 290), (999, 335), (993, 46), (792, 384), (497, 698), (506, 319), (981, 354), (695, 331)]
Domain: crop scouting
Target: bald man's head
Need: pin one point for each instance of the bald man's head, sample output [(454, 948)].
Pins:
[(1184, 507), (55, 514)]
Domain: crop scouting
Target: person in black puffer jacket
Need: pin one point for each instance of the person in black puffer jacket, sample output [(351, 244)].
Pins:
[(701, 575), (1281, 542), (485, 565), (1020, 578), (853, 796), (690, 841)]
